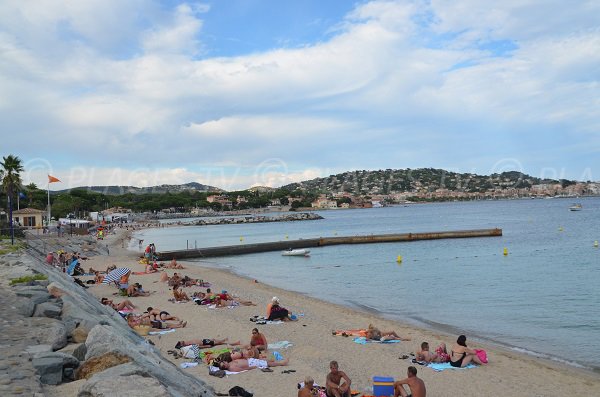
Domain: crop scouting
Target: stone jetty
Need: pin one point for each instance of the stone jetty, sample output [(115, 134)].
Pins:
[(299, 216), (53, 331)]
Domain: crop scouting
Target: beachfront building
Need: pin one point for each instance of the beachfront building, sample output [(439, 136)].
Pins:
[(324, 203), (74, 223), (29, 217), (223, 200)]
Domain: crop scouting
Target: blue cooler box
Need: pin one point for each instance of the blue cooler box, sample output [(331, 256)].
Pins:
[(383, 386)]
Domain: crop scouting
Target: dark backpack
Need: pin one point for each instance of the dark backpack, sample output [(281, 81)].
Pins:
[(239, 391)]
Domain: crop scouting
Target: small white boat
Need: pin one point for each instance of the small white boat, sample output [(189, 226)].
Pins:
[(576, 207), (296, 252)]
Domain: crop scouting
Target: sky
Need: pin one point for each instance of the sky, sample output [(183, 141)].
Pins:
[(241, 93)]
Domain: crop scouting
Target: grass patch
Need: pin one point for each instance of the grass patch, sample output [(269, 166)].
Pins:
[(27, 279), (7, 248)]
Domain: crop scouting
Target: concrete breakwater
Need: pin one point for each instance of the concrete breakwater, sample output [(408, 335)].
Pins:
[(322, 242), (300, 216), (53, 331)]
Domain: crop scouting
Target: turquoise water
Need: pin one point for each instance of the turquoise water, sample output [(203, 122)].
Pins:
[(543, 298)]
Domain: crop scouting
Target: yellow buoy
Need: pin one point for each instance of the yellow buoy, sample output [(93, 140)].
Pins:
[(286, 237), (560, 229), (596, 243), (505, 251), (242, 238), (399, 259)]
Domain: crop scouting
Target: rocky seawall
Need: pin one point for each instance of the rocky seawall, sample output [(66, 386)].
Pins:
[(53, 331), (300, 216)]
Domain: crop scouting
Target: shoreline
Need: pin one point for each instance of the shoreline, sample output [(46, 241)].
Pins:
[(509, 372), (425, 327)]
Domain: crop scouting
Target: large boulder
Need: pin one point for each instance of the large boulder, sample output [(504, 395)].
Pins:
[(50, 369), (103, 339), (49, 331), (123, 380), (24, 307), (77, 350), (47, 309)]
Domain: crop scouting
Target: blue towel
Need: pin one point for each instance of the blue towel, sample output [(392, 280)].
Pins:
[(361, 340), (442, 366), (277, 355)]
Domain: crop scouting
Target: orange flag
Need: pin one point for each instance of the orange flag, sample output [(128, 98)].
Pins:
[(52, 179)]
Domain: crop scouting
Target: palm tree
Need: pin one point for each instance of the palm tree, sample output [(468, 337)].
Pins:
[(10, 181)]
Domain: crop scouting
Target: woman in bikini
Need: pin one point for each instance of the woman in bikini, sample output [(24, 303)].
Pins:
[(461, 355)]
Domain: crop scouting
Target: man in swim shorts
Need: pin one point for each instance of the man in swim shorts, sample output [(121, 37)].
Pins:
[(415, 384), (245, 364)]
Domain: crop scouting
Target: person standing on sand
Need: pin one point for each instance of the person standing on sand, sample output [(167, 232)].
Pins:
[(333, 380), (415, 384)]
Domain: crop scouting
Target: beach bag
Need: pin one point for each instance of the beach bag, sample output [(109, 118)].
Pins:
[(191, 351), (239, 391), (482, 355)]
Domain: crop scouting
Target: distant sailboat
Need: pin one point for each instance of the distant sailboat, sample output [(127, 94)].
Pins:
[(576, 207)]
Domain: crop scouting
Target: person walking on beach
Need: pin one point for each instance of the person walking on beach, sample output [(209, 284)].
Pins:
[(333, 382), (414, 383)]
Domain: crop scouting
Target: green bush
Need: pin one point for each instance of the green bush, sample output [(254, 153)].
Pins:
[(27, 279)]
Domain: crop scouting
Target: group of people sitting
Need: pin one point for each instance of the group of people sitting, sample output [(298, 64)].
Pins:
[(460, 355)]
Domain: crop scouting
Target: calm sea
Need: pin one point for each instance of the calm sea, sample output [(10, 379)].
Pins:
[(543, 298)]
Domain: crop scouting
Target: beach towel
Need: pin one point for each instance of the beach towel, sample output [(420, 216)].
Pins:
[(438, 367), (361, 340), (211, 369), (284, 344), (190, 351), (188, 365), (166, 331)]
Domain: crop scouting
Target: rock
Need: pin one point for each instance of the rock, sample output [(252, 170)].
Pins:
[(47, 309), (25, 307), (36, 349), (103, 339), (29, 290), (101, 363), (50, 369), (55, 290), (123, 380), (79, 335), (67, 359), (77, 350), (49, 331)]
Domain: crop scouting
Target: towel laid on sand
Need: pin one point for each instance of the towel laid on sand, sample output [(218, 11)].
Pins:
[(442, 366), (212, 369), (166, 331), (361, 340), (188, 365), (284, 344)]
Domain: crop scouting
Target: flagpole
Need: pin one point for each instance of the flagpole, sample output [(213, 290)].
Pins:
[(48, 220)]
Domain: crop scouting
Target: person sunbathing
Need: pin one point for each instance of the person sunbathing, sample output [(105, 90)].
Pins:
[(245, 364), (156, 314), (258, 340), (174, 265), (98, 278), (333, 382), (126, 304), (375, 334), (179, 295), (246, 352), (424, 355), (276, 312), (175, 280), (204, 343), (133, 320), (136, 290), (461, 355), (151, 268)]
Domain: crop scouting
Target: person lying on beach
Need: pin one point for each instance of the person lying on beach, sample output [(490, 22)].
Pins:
[(258, 340), (245, 352), (276, 312), (374, 333), (110, 268), (98, 278), (440, 355), (333, 383), (133, 320), (175, 280), (179, 295), (174, 265), (415, 384), (126, 304), (245, 364), (205, 343), (150, 268), (461, 355), (156, 314), (136, 290), (226, 300)]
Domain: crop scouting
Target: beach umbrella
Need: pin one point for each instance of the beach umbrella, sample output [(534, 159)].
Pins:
[(115, 275)]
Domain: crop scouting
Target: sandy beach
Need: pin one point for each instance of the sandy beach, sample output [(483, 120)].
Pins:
[(508, 373)]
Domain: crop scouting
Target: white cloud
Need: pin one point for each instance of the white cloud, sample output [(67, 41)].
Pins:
[(118, 84)]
